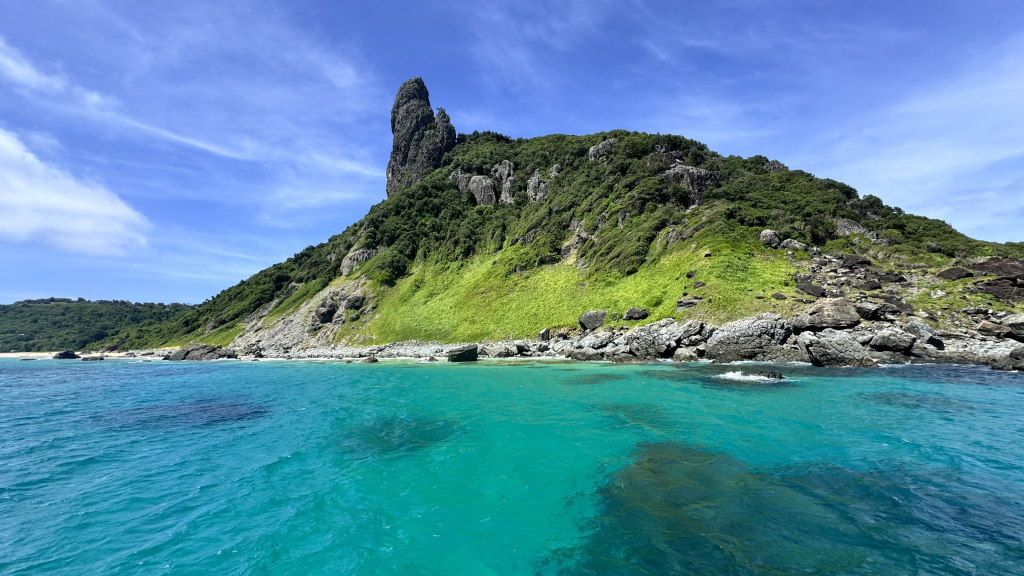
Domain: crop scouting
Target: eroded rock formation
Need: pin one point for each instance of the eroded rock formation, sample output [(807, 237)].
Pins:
[(420, 138)]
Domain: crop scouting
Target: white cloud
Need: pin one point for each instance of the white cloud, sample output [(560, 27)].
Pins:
[(18, 70), (42, 203)]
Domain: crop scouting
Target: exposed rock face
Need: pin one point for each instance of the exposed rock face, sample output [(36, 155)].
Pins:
[(923, 332), (827, 313), (746, 339), (463, 354), (955, 273), (893, 339), (833, 348), (1015, 323), (1013, 361), (773, 166), (202, 352), (597, 152), (696, 180), (847, 227), (992, 329), (1009, 289), (355, 258), (770, 238), (1001, 267), (537, 187), (654, 340), (482, 188), (66, 355), (504, 172), (420, 138), (635, 314), (325, 311), (544, 335), (593, 319)]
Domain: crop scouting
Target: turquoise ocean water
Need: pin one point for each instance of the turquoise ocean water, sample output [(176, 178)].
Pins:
[(131, 467)]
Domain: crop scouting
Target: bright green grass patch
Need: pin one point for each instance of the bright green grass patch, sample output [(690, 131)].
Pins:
[(482, 299)]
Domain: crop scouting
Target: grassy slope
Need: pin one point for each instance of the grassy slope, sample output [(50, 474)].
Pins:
[(480, 299)]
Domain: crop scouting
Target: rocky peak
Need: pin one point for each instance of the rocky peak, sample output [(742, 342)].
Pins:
[(420, 138)]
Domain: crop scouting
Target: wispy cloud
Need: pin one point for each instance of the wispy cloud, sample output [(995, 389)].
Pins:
[(950, 138), (40, 202)]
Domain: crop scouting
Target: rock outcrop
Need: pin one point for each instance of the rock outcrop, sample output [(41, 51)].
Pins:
[(420, 138), (748, 339), (834, 348), (66, 355), (504, 172), (696, 180), (463, 354), (593, 319), (598, 151), (827, 313), (770, 238), (202, 352)]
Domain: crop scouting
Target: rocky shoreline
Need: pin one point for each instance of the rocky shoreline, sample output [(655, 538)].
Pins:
[(831, 332)]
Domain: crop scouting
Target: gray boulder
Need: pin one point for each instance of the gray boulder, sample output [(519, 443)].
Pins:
[(635, 314), (656, 340), (923, 332), (685, 354), (792, 244), (995, 330), (826, 313), (421, 139), (748, 338), (770, 238), (463, 354), (1013, 361), (684, 303), (834, 348), (593, 319), (893, 339), (544, 335), (500, 352), (585, 354), (325, 311), (694, 332), (1015, 323), (202, 352), (596, 340)]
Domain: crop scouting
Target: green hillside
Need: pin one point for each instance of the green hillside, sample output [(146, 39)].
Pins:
[(614, 231), (66, 324)]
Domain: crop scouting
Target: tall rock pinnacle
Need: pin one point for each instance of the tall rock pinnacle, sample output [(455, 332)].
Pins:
[(420, 138)]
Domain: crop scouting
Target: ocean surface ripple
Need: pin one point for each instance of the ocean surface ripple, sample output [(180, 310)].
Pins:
[(130, 467)]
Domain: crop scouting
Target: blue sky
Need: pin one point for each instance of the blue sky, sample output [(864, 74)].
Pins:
[(162, 151)]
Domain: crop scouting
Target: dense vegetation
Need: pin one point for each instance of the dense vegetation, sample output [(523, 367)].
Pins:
[(609, 219), (65, 324)]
